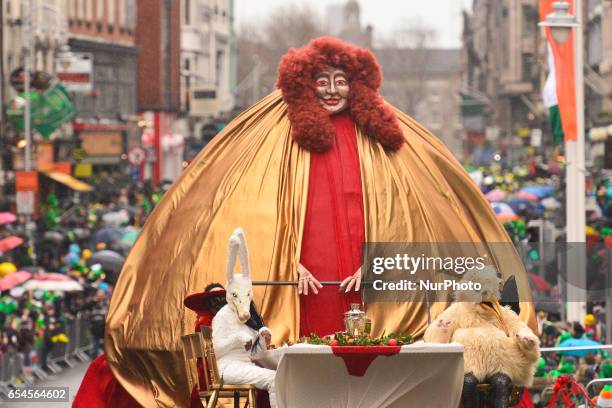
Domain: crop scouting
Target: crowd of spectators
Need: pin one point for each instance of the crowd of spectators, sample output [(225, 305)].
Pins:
[(61, 239)]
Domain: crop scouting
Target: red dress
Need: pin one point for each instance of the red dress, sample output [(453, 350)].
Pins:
[(333, 229)]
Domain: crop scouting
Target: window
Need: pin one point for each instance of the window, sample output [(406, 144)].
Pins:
[(88, 10), (527, 67), (595, 43), (219, 67), (187, 12), (435, 118), (131, 14), (9, 62), (530, 21), (78, 10), (99, 14), (111, 14), (100, 11), (435, 95), (122, 14)]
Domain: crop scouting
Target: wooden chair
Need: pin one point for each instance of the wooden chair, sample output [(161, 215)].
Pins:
[(199, 346)]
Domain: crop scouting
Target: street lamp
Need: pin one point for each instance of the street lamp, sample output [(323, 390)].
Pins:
[(561, 24)]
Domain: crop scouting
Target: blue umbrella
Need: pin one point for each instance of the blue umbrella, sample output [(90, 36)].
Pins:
[(540, 191), (519, 205), (578, 343)]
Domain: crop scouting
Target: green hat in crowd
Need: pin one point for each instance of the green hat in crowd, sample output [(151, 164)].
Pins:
[(540, 368)]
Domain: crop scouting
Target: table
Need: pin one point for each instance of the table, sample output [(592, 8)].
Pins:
[(419, 375)]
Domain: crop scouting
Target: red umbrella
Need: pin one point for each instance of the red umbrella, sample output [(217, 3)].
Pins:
[(7, 218), (14, 279), (51, 276), (540, 284), (528, 196), (9, 243)]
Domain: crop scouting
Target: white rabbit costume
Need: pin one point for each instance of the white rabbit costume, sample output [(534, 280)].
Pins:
[(230, 334)]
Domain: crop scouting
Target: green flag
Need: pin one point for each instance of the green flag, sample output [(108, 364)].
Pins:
[(48, 110)]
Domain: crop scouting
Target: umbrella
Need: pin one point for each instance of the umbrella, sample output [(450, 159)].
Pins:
[(550, 203), (116, 218), (110, 261), (130, 236), (519, 205), (539, 284), (539, 191), (528, 196), (14, 279), (51, 276), (496, 195), (53, 236), (578, 343), (503, 218), (33, 269), (502, 209), (477, 176), (81, 233), (504, 212), (9, 243), (107, 235), (7, 218), (548, 306), (53, 285)]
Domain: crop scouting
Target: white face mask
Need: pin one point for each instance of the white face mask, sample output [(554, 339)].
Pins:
[(332, 88)]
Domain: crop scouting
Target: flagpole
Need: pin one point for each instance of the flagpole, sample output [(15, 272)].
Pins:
[(26, 13), (26, 85), (575, 188)]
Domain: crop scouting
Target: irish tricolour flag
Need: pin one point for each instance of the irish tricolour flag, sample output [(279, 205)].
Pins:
[(559, 93)]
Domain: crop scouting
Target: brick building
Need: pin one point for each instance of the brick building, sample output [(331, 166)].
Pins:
[(158, 36), (105, 31)]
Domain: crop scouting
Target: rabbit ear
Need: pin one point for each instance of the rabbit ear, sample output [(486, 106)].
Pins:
[(243, 253), (232, 253)]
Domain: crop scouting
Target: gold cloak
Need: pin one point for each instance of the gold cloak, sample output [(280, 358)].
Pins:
[(254, 176)]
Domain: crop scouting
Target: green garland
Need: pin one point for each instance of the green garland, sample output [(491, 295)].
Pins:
[(343, 339)]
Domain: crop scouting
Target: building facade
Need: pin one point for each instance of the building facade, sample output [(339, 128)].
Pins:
[(208, 64), (343, 20), (503, 55), (158, 36), (598, 38), (426, 84), (103, 32), (505, 65), (48, 33)]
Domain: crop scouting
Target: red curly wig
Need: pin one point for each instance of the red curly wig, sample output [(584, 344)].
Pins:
[(311, 125)]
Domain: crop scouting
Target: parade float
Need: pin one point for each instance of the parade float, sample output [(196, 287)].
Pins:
[(310, 173)]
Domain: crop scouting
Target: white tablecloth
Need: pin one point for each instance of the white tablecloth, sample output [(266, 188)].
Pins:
[(420, 375)]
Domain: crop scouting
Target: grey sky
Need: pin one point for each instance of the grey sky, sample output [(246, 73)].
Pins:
[(385, 15)]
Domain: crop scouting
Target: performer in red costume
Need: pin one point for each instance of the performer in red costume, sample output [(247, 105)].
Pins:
[(324, 123), (333, 227)]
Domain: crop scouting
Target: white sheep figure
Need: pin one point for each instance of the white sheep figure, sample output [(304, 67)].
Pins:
[(499, 348), (232, 338)]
